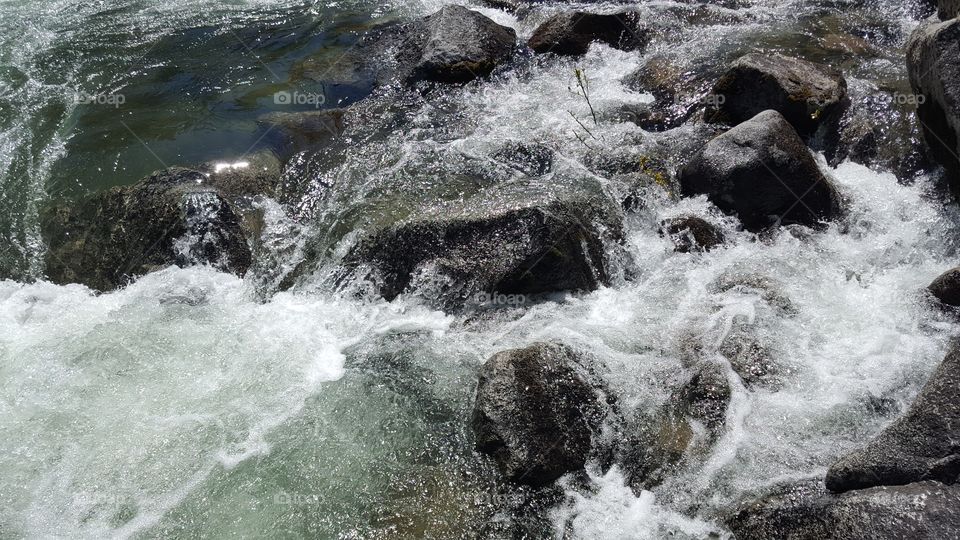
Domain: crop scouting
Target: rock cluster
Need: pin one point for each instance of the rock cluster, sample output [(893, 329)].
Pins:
[(544, 411)]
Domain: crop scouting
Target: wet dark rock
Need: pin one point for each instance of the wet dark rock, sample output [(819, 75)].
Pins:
[(946, 287), (948, 9), (806, 511), (462, 45), (678, 93), (934, 68), (921, 445), (762, 172), (880, 130), (808, 95), (510, 239), (682, 431), (453, 45), (243, 178), (530, 159), (859, 140), (572, 32), (538, 412), (750, 359), (171, 217), (691, 233)]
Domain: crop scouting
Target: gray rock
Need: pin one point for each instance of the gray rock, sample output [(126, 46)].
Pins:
[(538, 412), (511, 239), (453, 45), (462, 45), (750, 359), (682, 431), (692, 233), (921, 445), (946, 287), (859, 137), (948, 9), (572, 32), (762, 172), (808, 95), (934, 68), (805, 511), (678, 93), (171, 217)]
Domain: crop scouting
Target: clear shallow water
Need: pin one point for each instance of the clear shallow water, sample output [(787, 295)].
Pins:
[(186, 405)]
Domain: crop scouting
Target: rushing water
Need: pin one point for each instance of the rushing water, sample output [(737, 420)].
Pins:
[(193, 403)]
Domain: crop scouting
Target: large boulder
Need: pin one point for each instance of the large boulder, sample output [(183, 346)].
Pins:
[(808, 95), (453, 45), (508, 239), (805, 511), (946, 288), (461, 45), (934, 67), (762, 172), (572, 32), (538, 412), (172, 217), (921, 445)]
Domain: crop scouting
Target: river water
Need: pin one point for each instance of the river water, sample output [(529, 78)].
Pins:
[(196, 404)]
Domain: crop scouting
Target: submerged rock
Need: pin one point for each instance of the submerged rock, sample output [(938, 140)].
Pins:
[(762, 172), (292, 132), (683, 430), (572, 32), (808, 95), (934, 68), (946, 287), (750, 359), (921, 445), (691, 233), (171, 217), (538, 412), (509, 239), (805, 511)]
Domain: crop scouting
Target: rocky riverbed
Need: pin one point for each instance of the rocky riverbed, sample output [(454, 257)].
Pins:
[(483, 270)]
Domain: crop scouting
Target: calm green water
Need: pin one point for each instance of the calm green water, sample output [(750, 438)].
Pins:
[(99, 94)]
